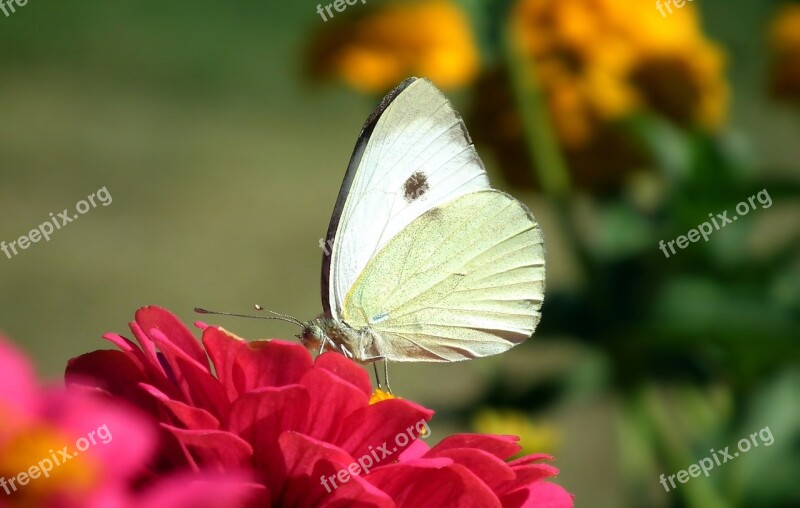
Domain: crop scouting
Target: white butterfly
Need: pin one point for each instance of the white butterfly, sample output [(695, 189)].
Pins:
[(427, 261)]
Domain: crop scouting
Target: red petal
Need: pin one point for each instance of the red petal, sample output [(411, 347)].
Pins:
[(432, 483), (215, 449), (345, 369), (266, 363), (193, 418), (207, 491), (332, 400), (155, 317), (501, 447), (149, 349), (491, 470), (127, 346), (526, 476), (527, 459), (307, 463), (197, 384), (540, 495), (260, 417), (112, 371), (381, 426), (223, 349)]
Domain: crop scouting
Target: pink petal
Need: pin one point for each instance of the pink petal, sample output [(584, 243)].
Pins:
[(415, 450), (119, 437), (18, 386)]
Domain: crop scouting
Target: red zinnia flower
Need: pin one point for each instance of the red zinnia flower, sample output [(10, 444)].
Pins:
[(305, 427)]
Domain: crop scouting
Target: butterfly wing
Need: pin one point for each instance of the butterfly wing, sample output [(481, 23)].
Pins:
[(413, 154), (464, 280)]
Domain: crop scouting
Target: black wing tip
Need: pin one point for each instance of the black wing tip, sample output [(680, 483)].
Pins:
[(384, 103)]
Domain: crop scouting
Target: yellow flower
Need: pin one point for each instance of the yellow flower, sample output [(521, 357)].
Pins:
[(378, 50), (534, 438), (785, 45), (601, 60)]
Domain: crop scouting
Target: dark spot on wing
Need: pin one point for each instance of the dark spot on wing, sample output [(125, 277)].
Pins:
[(416, 186)]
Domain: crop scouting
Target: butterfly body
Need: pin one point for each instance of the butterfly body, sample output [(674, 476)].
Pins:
[(339, 336), (427, 262)]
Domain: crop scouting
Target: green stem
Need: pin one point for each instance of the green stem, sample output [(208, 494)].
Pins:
[(698, 492), (541, 141), (542, 144)]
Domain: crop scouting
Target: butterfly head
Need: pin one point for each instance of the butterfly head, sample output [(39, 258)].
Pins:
[(312, 335), (326, 334)]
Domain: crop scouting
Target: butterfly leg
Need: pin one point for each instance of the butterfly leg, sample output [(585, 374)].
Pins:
[(386, 375), (377, 378), (373, 360), (324, 342)]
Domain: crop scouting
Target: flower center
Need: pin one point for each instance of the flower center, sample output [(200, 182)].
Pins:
[(379, 395)]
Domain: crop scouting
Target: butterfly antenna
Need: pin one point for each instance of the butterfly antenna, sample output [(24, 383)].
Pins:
[(280, 317)]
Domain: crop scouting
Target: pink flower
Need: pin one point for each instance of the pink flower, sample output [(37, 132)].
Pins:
[(70, 448), (305, 427)]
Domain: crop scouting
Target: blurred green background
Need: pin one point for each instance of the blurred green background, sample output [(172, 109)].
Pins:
[(222, 132)]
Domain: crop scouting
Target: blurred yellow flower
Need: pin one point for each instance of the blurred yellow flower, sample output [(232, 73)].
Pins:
[(785, 45), (374, 52), (600, 60), (534, 438), (34, 445)]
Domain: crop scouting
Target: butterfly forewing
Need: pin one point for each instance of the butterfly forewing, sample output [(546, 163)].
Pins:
[(414, 154)]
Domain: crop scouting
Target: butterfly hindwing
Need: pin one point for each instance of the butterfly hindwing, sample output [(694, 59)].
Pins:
[(464, 280)]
